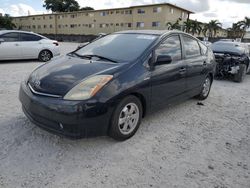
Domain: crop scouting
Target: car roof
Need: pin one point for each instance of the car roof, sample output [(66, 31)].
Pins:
[(20, 31), (153, 32)]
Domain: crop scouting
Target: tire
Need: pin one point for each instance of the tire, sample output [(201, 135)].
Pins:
[(239, 77), (206, 87), (45, 55), (126, 118)]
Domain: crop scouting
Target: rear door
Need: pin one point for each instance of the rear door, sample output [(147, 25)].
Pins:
[(10, 48), (196, 62), (168, 81), (31, 45)]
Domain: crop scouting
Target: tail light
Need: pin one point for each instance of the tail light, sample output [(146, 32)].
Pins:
[(56, 43)]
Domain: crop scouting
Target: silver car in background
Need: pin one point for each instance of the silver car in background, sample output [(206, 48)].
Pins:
[(15, 44)]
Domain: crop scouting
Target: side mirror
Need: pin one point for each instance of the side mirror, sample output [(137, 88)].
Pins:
[(1, 40), (163, 59)]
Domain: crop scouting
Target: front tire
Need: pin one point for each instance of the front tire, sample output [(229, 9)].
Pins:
[(126, 118), (45, 55), (206, 87), (239, 77)]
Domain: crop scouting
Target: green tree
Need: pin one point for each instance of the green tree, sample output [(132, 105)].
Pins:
[(86, 8), (6, 22), (175, 25), (244, 25), (61, 5), (212, 27)]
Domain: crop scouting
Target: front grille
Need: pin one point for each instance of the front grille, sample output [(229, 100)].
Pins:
[(43, 94)]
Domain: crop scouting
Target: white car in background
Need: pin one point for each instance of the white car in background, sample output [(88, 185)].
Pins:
[(15, 44)]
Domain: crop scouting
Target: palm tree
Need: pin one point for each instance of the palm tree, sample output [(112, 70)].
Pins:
[(244, 24), (196, 27), (175, 25), (212, 27), (235, 31), (188, 25)]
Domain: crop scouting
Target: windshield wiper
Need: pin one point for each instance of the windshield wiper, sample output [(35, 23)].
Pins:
[(98, 56)]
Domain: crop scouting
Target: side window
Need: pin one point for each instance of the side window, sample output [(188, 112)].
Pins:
[(29, 37), (191, 46), (10, 37), (172, 47), (203, 48)]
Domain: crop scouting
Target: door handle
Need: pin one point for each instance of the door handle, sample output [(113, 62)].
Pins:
[(182, 70)]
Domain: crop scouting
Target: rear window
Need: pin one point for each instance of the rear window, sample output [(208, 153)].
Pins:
[(29, 37), (227, 47)]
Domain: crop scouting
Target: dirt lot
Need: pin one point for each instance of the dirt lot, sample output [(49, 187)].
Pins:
[(186, 145)]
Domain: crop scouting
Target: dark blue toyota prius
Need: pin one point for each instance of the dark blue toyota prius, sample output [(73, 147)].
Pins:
[(109, 85)]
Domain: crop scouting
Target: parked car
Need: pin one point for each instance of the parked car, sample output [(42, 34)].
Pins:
[(232, 60), (100, 35), (15, 44), (107, 86)]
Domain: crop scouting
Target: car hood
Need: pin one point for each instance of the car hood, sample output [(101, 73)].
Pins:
[(62, 74)]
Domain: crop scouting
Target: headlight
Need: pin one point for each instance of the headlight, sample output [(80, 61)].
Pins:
[(88, 88)]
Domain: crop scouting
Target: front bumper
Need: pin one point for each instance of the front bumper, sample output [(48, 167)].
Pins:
[(74, 119)]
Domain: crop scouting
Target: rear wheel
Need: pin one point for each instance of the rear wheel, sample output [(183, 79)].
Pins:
[(126, 118), (239, 77), (205, 88), (45, 55)]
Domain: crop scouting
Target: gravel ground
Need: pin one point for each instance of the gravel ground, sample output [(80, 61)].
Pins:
[(186, 145)]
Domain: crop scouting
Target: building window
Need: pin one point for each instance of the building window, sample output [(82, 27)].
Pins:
[(121, 24), (102, 25), (44, 26), (59, 26), (141, 11), (33, 27), (157, 9), (50, 26), (129, 24), (117, 12), (156, 24), (33, 18), (73, 25), (73, 15), (128, 11), (171, 10), (140, 24), (122, 12), (111, 12), (91, 25), (39, 27), (104, 13), (50, 17), (117, 24), (183, 15)]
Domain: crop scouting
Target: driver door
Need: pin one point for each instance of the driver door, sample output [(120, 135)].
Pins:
[(168, 81)]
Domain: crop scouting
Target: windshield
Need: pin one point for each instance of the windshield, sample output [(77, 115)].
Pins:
[(118, 47)]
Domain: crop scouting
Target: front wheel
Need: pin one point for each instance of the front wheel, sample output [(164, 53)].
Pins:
[(45, 55), (126, 118), (205, 88)]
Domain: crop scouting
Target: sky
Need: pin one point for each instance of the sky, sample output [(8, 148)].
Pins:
[(226, 11)]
